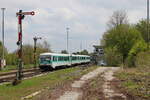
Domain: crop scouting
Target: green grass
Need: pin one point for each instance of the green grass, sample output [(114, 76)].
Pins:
[(9, 92), (131, 85), (135, 81), (9, 68)]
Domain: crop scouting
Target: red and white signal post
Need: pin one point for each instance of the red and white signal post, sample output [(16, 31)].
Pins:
[(20, 16)]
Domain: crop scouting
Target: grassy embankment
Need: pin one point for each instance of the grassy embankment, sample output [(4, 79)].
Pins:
[(52, 80), (136, 81)]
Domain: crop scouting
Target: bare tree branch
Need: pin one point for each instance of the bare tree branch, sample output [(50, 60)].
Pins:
[(119, 17)]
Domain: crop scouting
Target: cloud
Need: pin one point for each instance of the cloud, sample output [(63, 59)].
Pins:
[(86, 19)]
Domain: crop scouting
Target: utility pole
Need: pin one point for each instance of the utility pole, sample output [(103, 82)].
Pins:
[(35, 58), (148, 23), (81, 46), (20, 16), (67, 39), (3, 60)]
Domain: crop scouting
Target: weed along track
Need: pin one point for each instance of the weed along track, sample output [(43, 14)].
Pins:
[(9, 76), (27, 73)]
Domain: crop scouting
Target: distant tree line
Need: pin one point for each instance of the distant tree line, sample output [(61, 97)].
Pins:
[(28, 53), (123, 41), (83, 52)]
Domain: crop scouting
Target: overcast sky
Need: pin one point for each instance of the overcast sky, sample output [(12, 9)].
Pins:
[(86, 19)]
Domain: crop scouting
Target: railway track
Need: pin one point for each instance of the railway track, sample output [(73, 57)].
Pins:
[(10, 76), (26, 73)]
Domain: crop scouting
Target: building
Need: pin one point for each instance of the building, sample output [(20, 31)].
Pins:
[(98, 55)]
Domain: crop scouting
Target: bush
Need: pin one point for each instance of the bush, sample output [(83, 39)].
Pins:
[(112, 57), (11, 59), (143, 59), (140, 46)]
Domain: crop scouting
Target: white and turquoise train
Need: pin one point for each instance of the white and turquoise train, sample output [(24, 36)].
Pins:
[(52, 60)]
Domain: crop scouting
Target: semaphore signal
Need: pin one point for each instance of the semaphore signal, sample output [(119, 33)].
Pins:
[(21, 16)]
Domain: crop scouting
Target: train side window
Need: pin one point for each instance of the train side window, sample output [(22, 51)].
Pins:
[(53, 58), (67, 59), (61, 58), (64, 58), (58, 58)]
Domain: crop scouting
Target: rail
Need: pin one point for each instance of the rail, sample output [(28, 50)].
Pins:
[(9, 76)]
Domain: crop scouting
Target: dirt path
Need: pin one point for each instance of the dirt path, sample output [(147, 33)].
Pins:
[(75, 93), (109, 92)]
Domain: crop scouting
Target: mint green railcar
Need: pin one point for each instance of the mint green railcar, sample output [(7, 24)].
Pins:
[(53, 60)]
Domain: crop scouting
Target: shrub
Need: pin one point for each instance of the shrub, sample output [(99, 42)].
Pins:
[(143, 59), (113, 57), (140, 46)]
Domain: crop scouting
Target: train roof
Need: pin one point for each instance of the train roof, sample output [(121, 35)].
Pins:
[(81, 55), (54, 54), (57, 54)]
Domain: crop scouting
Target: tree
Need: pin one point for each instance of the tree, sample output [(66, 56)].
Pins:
[(28, 54), (142, 28), (123, 38), (64, 52), (76, 53), (5, 50), (84, 52), (11, 58), (28, 51), (118, 18), (44, 47)]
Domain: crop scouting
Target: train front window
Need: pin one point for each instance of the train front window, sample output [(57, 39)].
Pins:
[(45, 58)]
